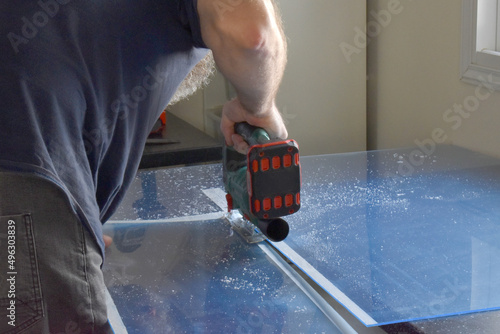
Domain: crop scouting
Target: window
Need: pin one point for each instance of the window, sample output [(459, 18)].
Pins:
[(487, 36), (481, 42)]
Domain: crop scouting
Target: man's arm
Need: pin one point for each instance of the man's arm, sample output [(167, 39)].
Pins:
[(249, 48)]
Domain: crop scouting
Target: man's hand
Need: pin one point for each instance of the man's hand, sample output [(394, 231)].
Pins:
[(107, 240), (233, 112)]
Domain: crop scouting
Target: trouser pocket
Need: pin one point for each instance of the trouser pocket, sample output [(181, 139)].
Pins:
[(20, 292)]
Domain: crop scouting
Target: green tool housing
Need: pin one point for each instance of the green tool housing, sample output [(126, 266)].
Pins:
[(263, 185)]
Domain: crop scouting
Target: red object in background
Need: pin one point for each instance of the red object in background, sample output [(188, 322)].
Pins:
[(159, 126), (163, 117)]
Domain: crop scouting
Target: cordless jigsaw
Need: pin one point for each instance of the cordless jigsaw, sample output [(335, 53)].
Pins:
[(263, 185)]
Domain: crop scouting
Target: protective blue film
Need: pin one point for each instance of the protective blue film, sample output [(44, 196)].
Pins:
[(198, 277), (394, 236), (401, 235), (171, 193)]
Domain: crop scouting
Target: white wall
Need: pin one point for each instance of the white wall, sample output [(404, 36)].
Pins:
[(413, 68), (322, 97)]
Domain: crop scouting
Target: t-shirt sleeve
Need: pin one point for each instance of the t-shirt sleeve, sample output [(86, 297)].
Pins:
[(189, 14)]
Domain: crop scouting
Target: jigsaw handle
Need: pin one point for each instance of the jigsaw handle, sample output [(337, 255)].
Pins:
[(251, 134)]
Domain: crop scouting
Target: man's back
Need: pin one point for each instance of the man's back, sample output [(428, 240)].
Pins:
[(81, 84)]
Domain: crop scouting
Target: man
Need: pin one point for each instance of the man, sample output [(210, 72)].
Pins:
[(81, 84)]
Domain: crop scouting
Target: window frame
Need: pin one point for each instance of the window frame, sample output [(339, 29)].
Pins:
[(498, 26), (477, 67)]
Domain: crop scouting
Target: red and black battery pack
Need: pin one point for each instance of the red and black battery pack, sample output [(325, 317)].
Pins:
[(274, 179)]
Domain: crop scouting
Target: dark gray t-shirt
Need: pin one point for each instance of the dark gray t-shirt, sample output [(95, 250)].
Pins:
[(81, 85)]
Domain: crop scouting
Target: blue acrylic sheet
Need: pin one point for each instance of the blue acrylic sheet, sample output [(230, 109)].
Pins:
[(198, 277), (401, 235), (394, 235)]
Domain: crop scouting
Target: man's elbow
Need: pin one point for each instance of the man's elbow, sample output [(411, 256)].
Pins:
[(261, 39), (251, 26)]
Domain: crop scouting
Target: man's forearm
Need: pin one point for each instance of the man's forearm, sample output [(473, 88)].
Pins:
[(249, 48)]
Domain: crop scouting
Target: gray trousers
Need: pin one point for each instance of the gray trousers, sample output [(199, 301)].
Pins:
[(50, 276)]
